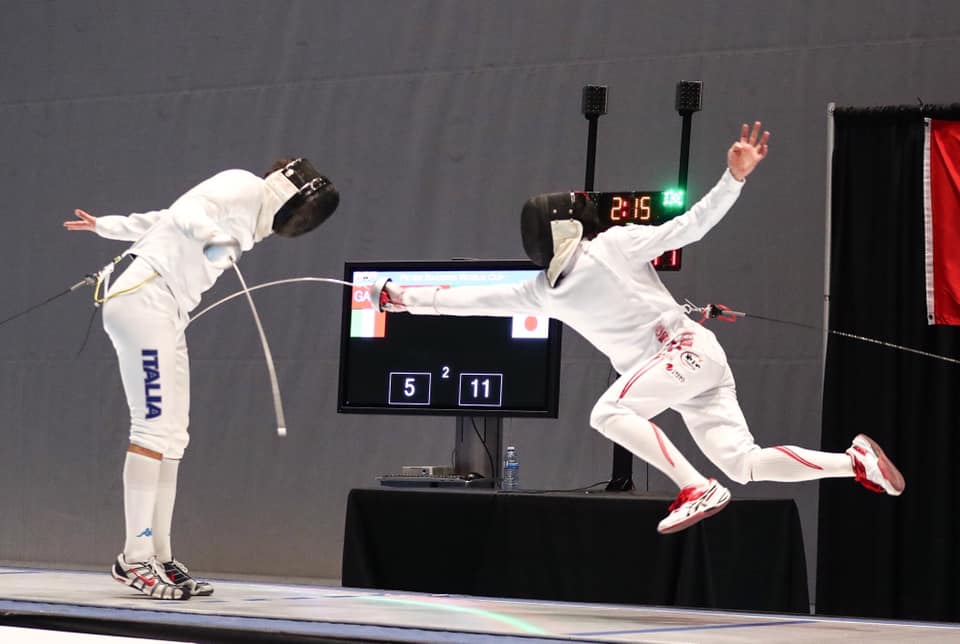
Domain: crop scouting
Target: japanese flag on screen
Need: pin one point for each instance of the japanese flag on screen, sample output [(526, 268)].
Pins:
[(530, 326), (941, 209)]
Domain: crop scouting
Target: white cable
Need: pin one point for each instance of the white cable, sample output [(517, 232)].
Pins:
[(918, 352), (689, 307), (265, 285), (277, 403)]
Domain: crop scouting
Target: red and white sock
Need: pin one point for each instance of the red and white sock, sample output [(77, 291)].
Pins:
[(788, 463), (647, 441)]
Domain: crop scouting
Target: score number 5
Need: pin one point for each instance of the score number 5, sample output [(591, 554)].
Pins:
[(409, 388)]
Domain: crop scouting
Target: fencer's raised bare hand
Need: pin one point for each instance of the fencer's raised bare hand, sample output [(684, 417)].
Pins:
[(86, 221), (744, 155)]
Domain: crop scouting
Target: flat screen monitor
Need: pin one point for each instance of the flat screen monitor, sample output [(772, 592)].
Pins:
[(399, 363)]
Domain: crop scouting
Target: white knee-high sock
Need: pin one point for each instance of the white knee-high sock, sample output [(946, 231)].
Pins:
[(140, 476), (647, 441), (163, 514), (789, 463)]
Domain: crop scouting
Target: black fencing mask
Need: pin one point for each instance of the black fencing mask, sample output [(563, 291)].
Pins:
[(553, 224), (303, 198)]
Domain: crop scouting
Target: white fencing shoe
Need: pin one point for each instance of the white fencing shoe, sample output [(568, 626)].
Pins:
[(180, 576), (147, 577), (872, 468), (694, 504)]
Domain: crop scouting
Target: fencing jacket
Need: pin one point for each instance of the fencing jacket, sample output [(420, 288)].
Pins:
[(610, 293), (171, 240)]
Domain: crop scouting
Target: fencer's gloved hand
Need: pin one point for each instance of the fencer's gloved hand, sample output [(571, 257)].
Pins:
[(387, 296), (222, 251)]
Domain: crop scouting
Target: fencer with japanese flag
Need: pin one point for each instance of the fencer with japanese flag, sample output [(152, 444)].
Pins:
[(178, 253), (666, 360)]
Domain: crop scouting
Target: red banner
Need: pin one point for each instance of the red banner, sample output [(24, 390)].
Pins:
[(941, 197)]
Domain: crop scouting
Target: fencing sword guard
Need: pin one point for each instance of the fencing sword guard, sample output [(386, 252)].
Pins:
[(712, 312), (720, 311), (377, 293)]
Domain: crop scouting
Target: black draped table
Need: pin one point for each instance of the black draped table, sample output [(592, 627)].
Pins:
[(574, 547)]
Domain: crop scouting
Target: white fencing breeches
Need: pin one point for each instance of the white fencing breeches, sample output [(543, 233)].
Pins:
[(690, 374), (147, 331)]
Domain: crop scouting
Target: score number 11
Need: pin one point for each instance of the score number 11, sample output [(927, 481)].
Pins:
[(476, 384), (481, 390)]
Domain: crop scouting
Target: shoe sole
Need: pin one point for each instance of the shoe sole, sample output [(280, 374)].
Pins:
[(696, 518), (887, 468), (204, 593)]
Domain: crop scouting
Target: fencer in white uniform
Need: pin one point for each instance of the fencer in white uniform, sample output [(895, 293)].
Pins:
[(607, 290), (178, 253)]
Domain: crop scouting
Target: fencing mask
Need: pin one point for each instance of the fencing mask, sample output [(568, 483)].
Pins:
[(297, 199), (552, 226)]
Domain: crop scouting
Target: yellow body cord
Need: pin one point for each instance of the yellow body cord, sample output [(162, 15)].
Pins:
[(100, 279)]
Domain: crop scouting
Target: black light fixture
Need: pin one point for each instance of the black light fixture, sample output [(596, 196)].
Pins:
[(594, 101), (689, 97), (689, 100)]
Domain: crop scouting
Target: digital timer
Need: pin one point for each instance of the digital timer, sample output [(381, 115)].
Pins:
[(643, 207)]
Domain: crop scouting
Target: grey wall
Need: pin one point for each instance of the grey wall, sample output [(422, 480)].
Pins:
[(436, 119)]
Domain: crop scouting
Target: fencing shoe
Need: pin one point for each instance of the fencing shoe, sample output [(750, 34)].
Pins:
[(147, 577), (693, 504), (180, 576), (872, 468)]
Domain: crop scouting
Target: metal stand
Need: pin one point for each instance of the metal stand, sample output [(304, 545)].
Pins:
[(621, 475), (688, 101), (594, 105), (470, 455)]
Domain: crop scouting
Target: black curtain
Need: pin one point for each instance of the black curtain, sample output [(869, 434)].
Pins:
[(881, 556)]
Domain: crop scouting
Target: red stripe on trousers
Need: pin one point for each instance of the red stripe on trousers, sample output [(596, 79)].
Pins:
[(644, 369), (797, 457), (663, 448)]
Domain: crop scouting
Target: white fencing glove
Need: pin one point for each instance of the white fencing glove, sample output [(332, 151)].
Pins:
[(222, 251), (386, 296)]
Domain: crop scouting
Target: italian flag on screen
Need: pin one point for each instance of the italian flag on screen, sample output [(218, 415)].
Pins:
[(365, 321), (941, 210)]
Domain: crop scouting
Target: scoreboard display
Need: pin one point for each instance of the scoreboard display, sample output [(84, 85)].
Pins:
[(397, 363)]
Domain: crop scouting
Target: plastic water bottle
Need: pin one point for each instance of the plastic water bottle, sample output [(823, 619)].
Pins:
[(511, 470)]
